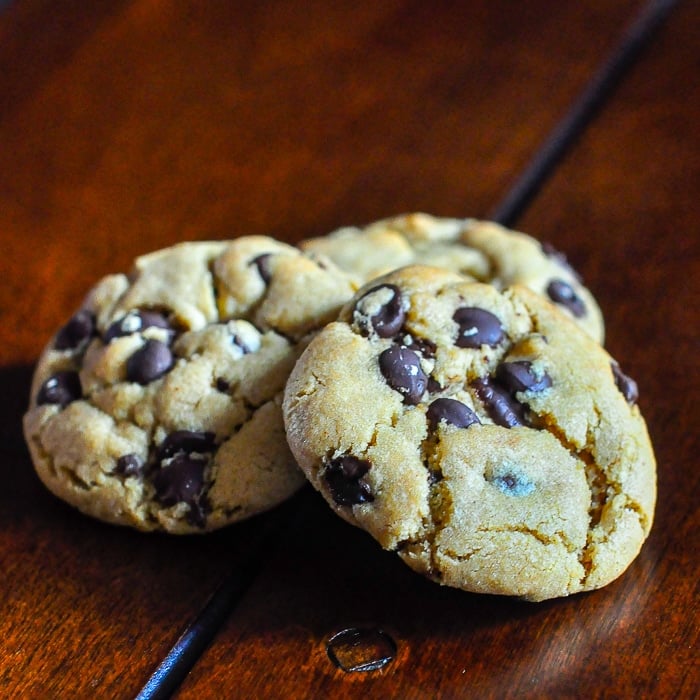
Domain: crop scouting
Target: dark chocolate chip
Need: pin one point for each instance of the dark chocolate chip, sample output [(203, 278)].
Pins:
[(388, 320), (477, 327), (61, 388), (186, 442), (181, 481), (262, 262), (222, 385), (434, 386), (500, 405), (343, 475), (197, 514), (518, 376), (135, 322), (149, 362), (627, 386), (154, 319), (422, 345), (452, 412), (403, 373), (129, 465), (563, 293), (79, 328)]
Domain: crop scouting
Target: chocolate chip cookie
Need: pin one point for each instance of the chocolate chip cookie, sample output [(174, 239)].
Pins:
[(478, 433), (482, 250), (158, 404)]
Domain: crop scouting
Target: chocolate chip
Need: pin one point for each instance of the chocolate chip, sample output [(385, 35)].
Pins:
[(186, 442), (181, 481), (627, 386), (477, 327), (518, 376), (403, 373), (197, 514), (500, 405), (79, 328), (452, 412), (343, 475), (222, 385), (563, 293), (149, 362), (422, 345), (262, 262), (388, 319), (61, 388), (135, 322), (434, 385), (129, 465)]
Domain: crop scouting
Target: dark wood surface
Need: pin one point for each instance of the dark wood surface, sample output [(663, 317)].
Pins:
[(129, 126)]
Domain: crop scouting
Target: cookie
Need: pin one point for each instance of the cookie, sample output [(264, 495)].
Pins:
[(158, 404), (482, 250), (480, 434)]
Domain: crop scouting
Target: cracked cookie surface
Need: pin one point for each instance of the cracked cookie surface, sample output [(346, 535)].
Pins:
[(479, 433), (158, 404), (483, 250)]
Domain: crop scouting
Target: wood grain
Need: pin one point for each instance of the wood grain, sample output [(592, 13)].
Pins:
[(128, 126)]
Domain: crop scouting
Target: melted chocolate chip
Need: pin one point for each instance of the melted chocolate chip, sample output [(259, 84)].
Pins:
[(500, 405), (627, 386), (129, 465), (518, 376), (61, 389), (79, 328), (563, 293), (181, 481), (403, 373), (452, 412), (186, 442), (135, 322), (477, 327), (149, 362), (388, 320), (343, 475), (262, 262)]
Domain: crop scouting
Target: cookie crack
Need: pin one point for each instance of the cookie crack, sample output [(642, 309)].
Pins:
[(76, 481), (602, 487), (542, 538), (213, 279), (294, 401), (461, 557), (439, 502)]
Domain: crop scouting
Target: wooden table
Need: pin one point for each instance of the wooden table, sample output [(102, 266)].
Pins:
[(126, 126)]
